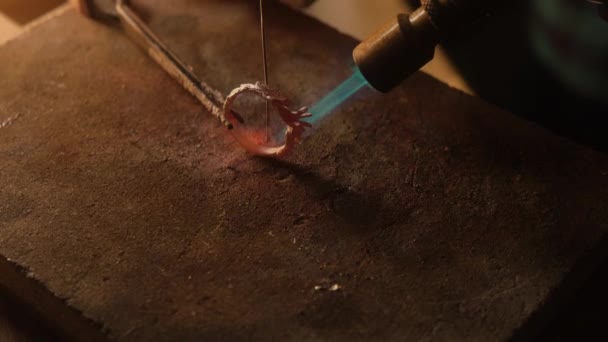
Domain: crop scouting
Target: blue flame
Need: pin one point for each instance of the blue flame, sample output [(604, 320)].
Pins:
[(337, 96)]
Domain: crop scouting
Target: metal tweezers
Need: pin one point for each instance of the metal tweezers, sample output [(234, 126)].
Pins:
[(143, 36)]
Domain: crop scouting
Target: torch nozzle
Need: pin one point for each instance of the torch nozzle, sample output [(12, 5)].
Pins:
[(397, 50)]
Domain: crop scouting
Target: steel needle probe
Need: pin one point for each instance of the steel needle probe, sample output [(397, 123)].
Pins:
[(263, 34)]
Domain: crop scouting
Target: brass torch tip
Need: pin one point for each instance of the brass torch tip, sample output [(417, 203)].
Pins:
[(397, 50)]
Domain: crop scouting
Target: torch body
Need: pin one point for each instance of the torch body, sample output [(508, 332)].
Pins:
[(408, 42)]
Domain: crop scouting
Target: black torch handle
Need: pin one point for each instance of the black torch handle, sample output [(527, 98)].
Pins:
[(450, 15)]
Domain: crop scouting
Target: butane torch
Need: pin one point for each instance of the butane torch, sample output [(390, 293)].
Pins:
[(408, 42), (402, 47)]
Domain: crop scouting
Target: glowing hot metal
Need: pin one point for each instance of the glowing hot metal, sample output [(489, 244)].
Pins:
[(294, 119)]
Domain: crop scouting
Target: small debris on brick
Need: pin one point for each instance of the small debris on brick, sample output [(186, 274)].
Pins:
[(332, 288)]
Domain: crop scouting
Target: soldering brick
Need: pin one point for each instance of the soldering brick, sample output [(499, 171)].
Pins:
[(424, 214)]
